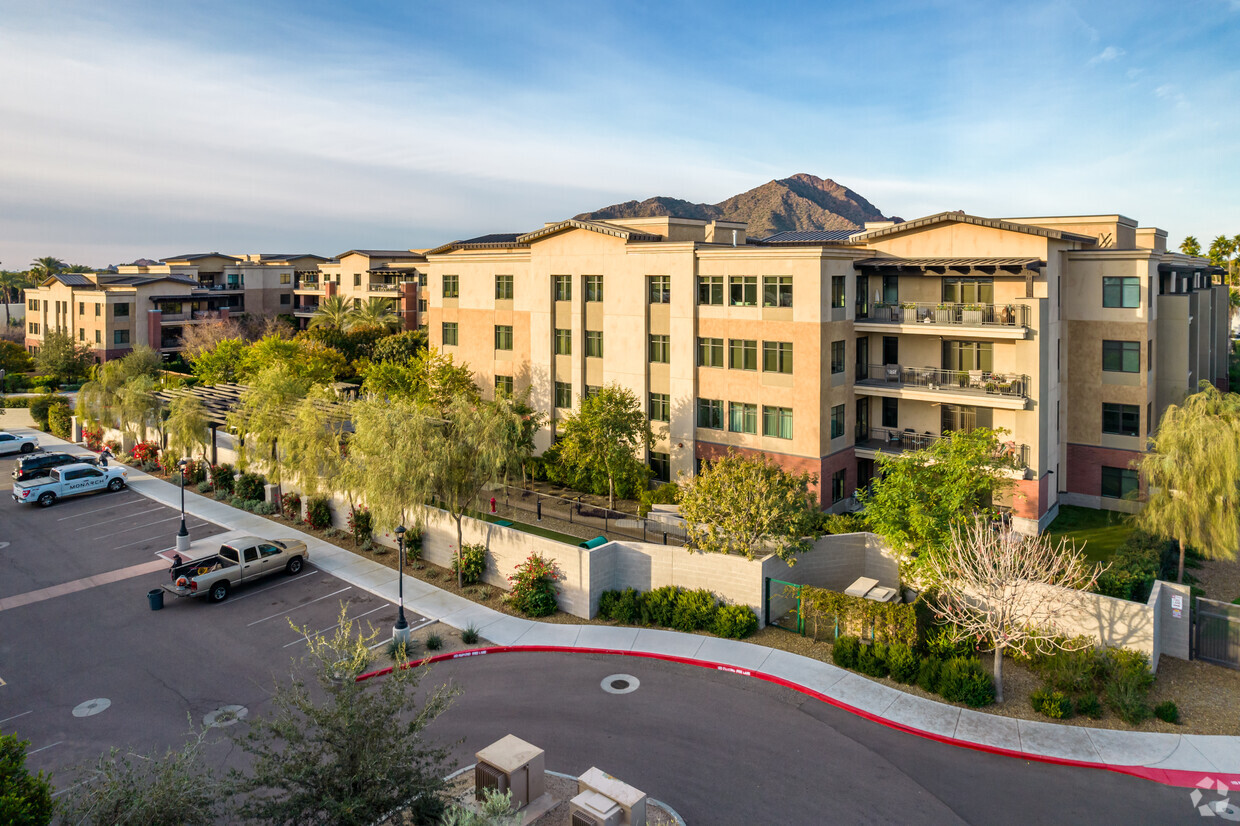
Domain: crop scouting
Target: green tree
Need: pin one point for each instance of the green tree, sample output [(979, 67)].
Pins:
[(605, 434), (921, 496), (348, 752), (25, 798), (311, 361), (312, 444), (62, 358), (1190, 246), (188, 426), (138, 408), (392, 378), (41, 268), (1192, 475), (100, 399), (375, 313), (1221, 249), (14, 359), (11, 286), (748, 505), (333, 312), (218, 364), (399, 347), (388, 462), (261, 417), (523, 427)]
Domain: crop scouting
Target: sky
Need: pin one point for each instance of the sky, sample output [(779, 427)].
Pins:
[(151, 129)]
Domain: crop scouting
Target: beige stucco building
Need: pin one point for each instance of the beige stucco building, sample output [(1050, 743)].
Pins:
[(398, 276)]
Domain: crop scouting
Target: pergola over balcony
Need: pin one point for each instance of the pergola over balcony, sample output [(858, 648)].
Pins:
[(1027, 267)]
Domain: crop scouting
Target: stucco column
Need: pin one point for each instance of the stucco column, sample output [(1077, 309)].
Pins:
[(154, 332)]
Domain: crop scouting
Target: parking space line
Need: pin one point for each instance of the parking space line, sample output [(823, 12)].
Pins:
[(140, 541), (15, 716), (249, 594), (139, 527), (139, 499), (295, 607), (330, 627), (45, 748), (82, 584), (117, 519)]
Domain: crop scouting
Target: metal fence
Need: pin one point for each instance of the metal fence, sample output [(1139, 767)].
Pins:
[(533, 507), (1218, 632)]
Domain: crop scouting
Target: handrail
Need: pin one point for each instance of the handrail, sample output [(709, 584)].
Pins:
[(932, 378), (967, 315), (907, 439)]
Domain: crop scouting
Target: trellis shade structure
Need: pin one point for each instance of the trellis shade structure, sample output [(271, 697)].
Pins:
[(221, 399)]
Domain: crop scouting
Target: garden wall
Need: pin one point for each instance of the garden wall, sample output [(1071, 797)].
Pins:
[(836, 562)]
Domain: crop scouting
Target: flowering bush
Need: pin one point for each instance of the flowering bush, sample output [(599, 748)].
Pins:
[(290, 505), (93, 437), (222, 478), (533, 587), (361, 524), (113, 445), (144, 452), (318, 513), (473, 563)]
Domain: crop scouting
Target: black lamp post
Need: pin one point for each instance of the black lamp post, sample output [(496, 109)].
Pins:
[(183, 534), (401, 632)]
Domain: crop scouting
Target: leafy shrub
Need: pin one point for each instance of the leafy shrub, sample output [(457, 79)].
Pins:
[(204, 486), (666, 494), (150, 467), (361, 524), (221, 495), (1128, 681), (1134, 567), (1071, 671), (534, 587), (473, 563), (607, 604), (928, 674), (196, 471), (318, 513), (695, 610), (251, 486), (1167, 711), (290, 505), (735, 621), (902, 663), (946, 642), (144, 453), (628, 607), (93, 437), (237, 502), (871, 660), (845, 652), (469, 635), (223, 477), (1051, 703), (264, 508), (1089, 705), (58, 421), (659, 606), (41, 408), (836, 523), (963, 680), (434, 642)]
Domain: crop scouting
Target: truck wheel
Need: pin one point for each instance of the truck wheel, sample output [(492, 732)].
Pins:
[(116, 484), (27, 448), (219, 592), (47, 499), (294, 565)]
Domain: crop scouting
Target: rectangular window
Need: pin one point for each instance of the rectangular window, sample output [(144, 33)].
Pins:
[(120, 310), (837, 357), (286, 278), (562, 287), (660, 289), (34, 328), (563, 394), (777, 291), (837, 421), (503, 288), (743, 354), (594, 288), (891, 289), (449, 334), (98, 308), (451, 286), (969, 290), (422, 305), (710, 352), (710, 290), (710, 414), (81, 333), (421, 279), (503, 336), (32, 304), (777, 422), (660, 350), (1119, 482), (661, 466), (1121, 292), (503, 384), (1121, 419), (837, 485), (81, 308), (660, 407), (742, 418), (837, 291), (357, 279), (592, 390), (563, 342), (777, 357), (594, 344), (1121, 356), (743, 291), (98, 337), (120, 337), (891, 412), (285, 299), (967, 355), (357, 304)]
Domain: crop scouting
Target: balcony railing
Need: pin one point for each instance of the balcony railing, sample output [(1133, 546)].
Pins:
[(981, 382), (376, 287), (310, 286), (890, 440), (963, 315)]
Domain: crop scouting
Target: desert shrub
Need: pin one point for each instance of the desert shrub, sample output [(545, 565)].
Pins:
[(872, 660), (221, 495), (237, 502), (290, 505), (963, 680), (666, 494), (469, 635), (434, 642), (1089, 705), (264, 508), (1128, 681), (695, 610), (251, 486), (946, 642), (902, 663), (203, 487), (224, 477), (1134, 566), (318, 513), (534, 587), (607, 604), (1167, 711), (1051, 703), (659, 606), (150, 467), (628, 607), (473, 563), (846, 650), (735, 621), (928, 674), (1071, 671)]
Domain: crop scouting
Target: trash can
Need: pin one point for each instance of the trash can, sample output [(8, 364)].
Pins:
[(155, 596)]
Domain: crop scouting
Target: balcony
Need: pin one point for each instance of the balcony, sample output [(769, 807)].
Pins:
[(305, 312), (1008, 391), (891, 441), (222, 288), (183, 318), (308, 287), (377, 287), (1009, 321)]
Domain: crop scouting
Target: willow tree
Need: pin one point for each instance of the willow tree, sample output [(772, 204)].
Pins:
[(1192, 474), (138, 408), (187, 426), (101, 399), (312, 445), (262, 416), (387, 460)]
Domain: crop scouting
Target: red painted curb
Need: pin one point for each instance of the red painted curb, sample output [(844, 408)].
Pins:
[(1168, 777)]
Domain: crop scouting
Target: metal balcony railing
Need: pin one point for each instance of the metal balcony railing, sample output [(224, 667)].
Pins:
[(982, 382), (376, 287), (963, 315), (892, 440)]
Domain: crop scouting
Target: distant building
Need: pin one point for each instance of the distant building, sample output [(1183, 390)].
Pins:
[(398, 276)]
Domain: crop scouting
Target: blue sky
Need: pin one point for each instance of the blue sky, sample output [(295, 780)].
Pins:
[(133, 129)]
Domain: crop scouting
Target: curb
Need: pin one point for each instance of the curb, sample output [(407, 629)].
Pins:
[(1168, 777)]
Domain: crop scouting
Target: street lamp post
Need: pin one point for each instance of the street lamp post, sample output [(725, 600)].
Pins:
[(400, 633), (183, 534)]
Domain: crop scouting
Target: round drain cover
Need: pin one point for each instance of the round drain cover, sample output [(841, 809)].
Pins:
[(620, 684), (91, 707), (225, 716)]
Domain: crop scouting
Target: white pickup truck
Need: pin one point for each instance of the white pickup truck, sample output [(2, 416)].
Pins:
[(239, 561), (17, 443), (69, 480)]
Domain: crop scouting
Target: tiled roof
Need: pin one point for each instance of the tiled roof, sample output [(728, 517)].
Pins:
[(917, 263), (593, 226), (809, 236), (496, 240), (961, 217), (199, 255), (73, 279), (382, 253)]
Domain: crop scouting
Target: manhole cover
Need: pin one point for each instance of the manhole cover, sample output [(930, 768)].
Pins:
[(225, 716), (620, 684), (91, 707)]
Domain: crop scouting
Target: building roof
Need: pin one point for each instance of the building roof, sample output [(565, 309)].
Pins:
[(593, 226), (140, 280), (273, 256), (199, 255), (495, 240), (817, 236), (381, 254), (960, 217), (949, 263), (71, 279)]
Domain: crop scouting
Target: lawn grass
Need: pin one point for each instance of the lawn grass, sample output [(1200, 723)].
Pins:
[(1096, 532), (534, 529)]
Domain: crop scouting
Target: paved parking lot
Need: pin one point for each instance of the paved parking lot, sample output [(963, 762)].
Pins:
[(87, 665)]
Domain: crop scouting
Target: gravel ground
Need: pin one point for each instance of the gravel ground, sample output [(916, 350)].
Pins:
[(1219, 578)]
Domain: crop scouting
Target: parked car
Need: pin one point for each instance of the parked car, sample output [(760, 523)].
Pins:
[(38, 465), (239, 561), (69, 480), (17, 443)]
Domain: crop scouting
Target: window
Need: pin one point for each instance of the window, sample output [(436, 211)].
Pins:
[(661, 465), (32, 304), (357, 304), (660, 407), (421, 279), (969, 290), (120, 337), (660, 289), (1119, 482), (837, 357), (81, 308), (891, 412), (660, 350), (1121, 292), (34, 328), (422, 305), (563, 394), (743, 418), (837, 421), (837, 485), (503, 336), (98, 309), (98, 337), (594, 344), (562, 286), (967, 355), (120, 310), (891, 289), (563, 342), (449, 334), (777, 422), (1121, 356), (710, 289), (710, 352), (1149, 355), (710, 413), (357, 279), (1121, 419), (1149, 418), (837, 291), (777, 291), (594, 288), (503, 384), (592, 390), (743, 291), (503, 288), (286, 278), (451, 286), (743, 354), (285, 299), (81, 333), (777, 357)]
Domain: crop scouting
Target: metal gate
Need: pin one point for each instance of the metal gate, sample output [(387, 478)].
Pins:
[(783, 605), (1218, 632)]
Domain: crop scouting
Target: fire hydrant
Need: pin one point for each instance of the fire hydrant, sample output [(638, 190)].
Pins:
[(492, 504)]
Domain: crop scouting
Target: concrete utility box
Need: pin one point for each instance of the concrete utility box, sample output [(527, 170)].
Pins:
[(593, 809), (632, 802), (511, 764)]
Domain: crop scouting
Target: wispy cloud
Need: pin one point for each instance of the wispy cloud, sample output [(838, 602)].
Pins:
[(1107, 55)]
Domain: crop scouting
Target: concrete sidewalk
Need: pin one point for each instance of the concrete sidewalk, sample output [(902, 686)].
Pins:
[(1176, 759)]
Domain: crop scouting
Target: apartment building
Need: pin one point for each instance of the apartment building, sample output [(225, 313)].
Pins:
[(358, 276), (824, 349)]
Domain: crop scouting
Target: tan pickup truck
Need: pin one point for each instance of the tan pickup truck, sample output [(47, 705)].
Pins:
[(240, 560)]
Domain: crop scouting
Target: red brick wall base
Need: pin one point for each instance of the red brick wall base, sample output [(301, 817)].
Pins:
[(1085, 464), (823, 467)]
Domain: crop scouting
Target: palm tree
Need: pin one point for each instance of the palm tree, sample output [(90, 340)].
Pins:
[(41, 268), (376, 312), (1190, 246), (11, 286), (333, 313), (79, 268), (1221, 249)]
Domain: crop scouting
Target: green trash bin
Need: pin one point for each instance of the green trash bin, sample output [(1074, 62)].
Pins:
[(155, 597)]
